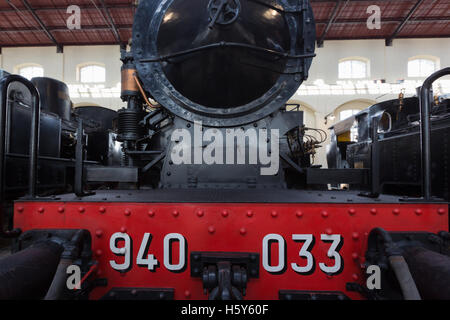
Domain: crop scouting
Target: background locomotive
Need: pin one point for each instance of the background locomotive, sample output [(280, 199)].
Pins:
[(149, 228)]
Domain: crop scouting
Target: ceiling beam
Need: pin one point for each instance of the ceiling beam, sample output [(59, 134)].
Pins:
[(127, 26), (391, 38), (64, 8), (334, 14), (113, 43), (59, 48), (111, 22)]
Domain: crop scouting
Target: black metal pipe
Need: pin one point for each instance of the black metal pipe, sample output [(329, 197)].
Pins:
[(27, 274), (72, 251), (34, 139), (79, 158), (431, 271), (396, 261), (375, 157), (425, 98)]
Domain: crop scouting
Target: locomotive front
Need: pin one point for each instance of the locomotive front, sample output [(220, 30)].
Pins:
[(216, 195)]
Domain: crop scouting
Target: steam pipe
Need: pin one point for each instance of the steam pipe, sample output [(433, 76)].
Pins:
[(431, 271), (425, 99), (71, 252), (28, 273), (397, 263)]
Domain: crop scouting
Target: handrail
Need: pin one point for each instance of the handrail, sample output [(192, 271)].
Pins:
[(425, 98), (34, 137)]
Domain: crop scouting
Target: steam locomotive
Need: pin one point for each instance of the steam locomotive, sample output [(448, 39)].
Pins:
[(203, 185)]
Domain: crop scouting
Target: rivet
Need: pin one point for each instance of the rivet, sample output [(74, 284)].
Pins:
[(123, 229), (61, 209), (441, 211), (99, 272), (243, 231), (328, 231), (20, 209), (396, 212), (127, 212), (355, 277), (151, 213), (200, 213), (299, 214), (99, 252), (211, 229), (355, 256), (41, 210), (175, 213), (99, 233), (224, 213), (329, 276), (324, 214), (373, 211), (352, 212), (102, 209), (418, 212), (274, 214), (355, 235), (187, 294), (249, 213), (81, 209)]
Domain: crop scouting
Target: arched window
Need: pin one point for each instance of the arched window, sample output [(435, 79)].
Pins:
[(353, 68), (345, 114), (422, 67), (30, 71), (91, 73)]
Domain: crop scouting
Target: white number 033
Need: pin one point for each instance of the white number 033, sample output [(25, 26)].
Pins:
[(307, 242)]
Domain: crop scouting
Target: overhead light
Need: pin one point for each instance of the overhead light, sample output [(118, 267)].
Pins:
[(330, 117)]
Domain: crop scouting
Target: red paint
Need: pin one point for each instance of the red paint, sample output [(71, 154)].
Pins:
[(213, 233)]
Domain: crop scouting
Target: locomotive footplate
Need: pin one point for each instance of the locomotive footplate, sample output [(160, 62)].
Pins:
[(225, 274)]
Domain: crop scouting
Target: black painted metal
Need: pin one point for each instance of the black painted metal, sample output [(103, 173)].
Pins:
[(34, 137), (111, 174), (79, 162), (54, 97), (399, 144), (232, 74), (337, 176), (425, 129)]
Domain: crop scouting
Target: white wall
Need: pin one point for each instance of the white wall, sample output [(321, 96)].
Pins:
[(63, 66), (388, 63)]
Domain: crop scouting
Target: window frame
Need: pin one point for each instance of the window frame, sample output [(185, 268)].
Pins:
[(80, 67), (434, 59), (363, 60), (20, 67)]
